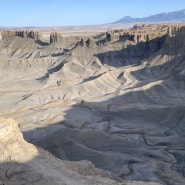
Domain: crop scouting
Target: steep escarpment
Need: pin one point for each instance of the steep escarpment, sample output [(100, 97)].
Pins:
[(36, 35), (171, 35), (175, 37), (139, 33), (55, 37)]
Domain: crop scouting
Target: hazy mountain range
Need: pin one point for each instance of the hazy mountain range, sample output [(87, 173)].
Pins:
[(176, 16)]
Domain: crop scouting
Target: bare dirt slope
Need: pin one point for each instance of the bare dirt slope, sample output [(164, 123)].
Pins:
[(116, 99)]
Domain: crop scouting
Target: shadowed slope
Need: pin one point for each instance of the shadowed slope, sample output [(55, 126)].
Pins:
[(21, 162)]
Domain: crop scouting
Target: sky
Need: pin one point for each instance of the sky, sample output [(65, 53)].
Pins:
[(19, 13)]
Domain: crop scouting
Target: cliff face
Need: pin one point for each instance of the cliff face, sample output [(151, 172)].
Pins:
[(175, 37), (139, 33), (88, 43), (36, 35), (148, 38), (146, 33), (55, 37), (8, 33), (11, 136)]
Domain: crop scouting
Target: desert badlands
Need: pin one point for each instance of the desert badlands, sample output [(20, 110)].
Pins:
[(104, 108)]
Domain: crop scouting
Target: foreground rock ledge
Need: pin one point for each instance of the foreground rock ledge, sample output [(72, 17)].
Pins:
[(23, 163)]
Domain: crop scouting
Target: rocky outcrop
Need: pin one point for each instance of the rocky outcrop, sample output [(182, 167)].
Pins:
[(88, 43), (148, 32), (11, 136), (139, 33), (81, 42), (175, 37), (113, 35), (8, 34), (149, 38), (55, 37), (36, 35)]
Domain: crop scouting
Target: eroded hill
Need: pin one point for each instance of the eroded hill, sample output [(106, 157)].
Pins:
[(116, 99)]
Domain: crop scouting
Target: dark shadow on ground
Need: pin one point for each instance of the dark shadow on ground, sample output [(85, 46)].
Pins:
[(41, 43), (52, 70)]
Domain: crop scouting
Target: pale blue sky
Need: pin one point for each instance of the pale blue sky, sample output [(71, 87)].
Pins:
[(79, 12)]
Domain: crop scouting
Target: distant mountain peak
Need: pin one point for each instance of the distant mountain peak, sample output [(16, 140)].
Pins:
[(175, 16), (127, 17)]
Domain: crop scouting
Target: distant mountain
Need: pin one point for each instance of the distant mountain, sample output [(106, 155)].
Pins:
[(177, 16)]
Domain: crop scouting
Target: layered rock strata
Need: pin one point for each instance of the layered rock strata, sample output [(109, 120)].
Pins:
[(55, 37), (36, 35)]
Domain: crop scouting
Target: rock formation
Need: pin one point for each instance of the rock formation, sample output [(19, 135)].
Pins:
[(8, 33), (36, 35), (113, 35), (88, 43), (81, 42), (175, 37), (150, 38), (139, 33), (55, 37)]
